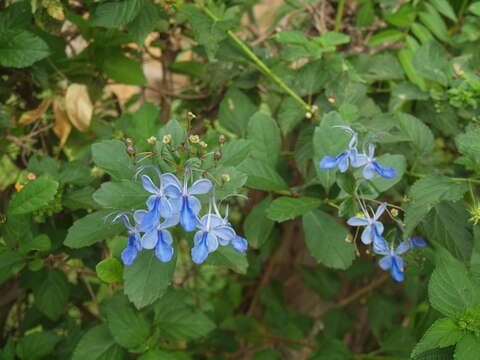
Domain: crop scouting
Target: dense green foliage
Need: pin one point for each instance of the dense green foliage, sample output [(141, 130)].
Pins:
[(248, 98)]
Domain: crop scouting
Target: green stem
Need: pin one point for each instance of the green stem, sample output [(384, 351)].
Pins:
[(339, 15), (462, 9), (256, 59)]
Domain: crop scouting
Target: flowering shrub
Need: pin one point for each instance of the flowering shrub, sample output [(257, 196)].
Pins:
[(213, 180)]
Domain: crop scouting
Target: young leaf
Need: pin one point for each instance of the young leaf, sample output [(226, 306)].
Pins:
[(98, 344), (21, 48), (35, 195), (327, 240), (285, 208), (110, 270), (444, 332), (147, 279), (111, 156)]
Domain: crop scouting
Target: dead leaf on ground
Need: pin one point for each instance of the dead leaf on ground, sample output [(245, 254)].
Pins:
[(62, 126), (32, 115), (79, 106)]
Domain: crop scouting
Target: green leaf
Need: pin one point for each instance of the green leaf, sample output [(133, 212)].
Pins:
[(447, 223), (468, 144), (443, 7), (467, 348), (227, 256), (431, 62), (434, 22), (417, 132), (144, 22), (51, 295), (175, 129), (475, 8), (397, 162), (180, 322), (35, 195), (37, 345), (292, 37), (264, 134), (91, 229), (444, 332), (125, 194), (110, 270), (10, 263), (129, 327), (289, 115), (422, 33), (235, 110), (333, 38), (332, 349), (403, 17), (257, 226), (286, 208), (21, 48), (327, 240), (405, 56), (123, 69), (157, 354), (116, 14), (98, 344), (262, 176), (147, 279), (436, 354), (111, 156), (450, 290), (390, 35), (234, 152), (144, 123), (428, 192), (366, 14)]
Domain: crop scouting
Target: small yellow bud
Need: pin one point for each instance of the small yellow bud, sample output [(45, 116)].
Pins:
[(308, 115), (225, 177), (314, 108), (203, 144), (19, 187), (331, 98), (152, 140), (191, 115), (394, 212), (167, 139), (194, 139), (360, 214)]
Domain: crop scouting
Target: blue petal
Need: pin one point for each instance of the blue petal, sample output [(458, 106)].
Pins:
[(357, 221), (164, 249), (240, 244), (418, 241), (380, 211), (169, 179), (171, 221), (328, 163), (343, 162), (385, 262), (200, 250), (150, 239), (195, 204), (369, 171), (138, 216), (403, 247), (378, 228), (367, 235), (165, 208), (151, 219), (386, 172), (371, 151), (149, 185), (359, 160), (130, 252), (188, 219), (380, 246), (224, 233), (212, 242), (397, 269), (202, 186), (173, 191)]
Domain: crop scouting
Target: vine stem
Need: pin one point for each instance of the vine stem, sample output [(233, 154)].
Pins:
[(257, 60), (339, 14)]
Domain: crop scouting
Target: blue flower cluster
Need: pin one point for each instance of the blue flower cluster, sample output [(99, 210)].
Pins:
[(372, 234), (172, 203), (351, 157)]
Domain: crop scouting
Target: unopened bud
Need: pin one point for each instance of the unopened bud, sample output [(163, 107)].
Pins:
[(225, 177), (348, 238), (314, 108), (152, 140), (221, 140), (167, 139), (18, 186), (368, 252), (394, 212), (194, 139), (331, 98), (128, 141), (308, 115), (130, 149), (203, 144), (191, 115), (217, 155), (31, 176)]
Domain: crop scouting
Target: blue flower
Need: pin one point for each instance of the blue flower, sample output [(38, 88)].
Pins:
[(212, 233), (129, 254), (239, 243), (158, 204), (391, 259), (342, 160), (161, 239), (372, 166), (417, 241), (185, 203), (373, 227)]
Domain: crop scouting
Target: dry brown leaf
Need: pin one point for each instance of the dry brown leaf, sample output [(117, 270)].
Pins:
[(32, 115), (62, 126), (79, 106)]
